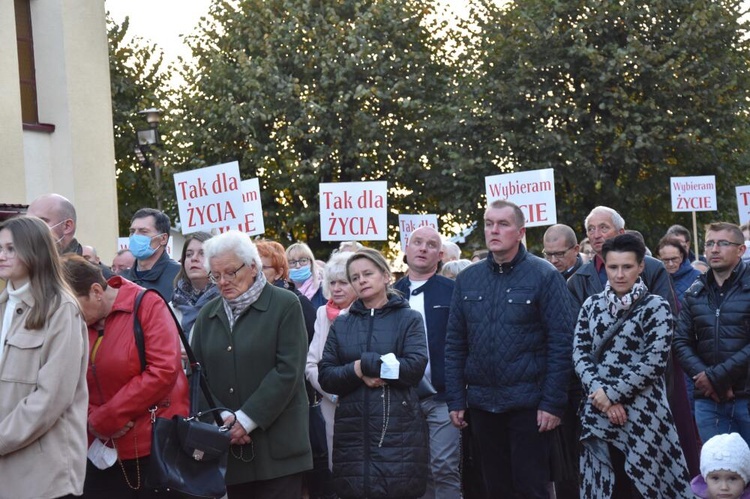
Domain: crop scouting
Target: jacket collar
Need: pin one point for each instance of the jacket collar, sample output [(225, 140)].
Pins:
[(406, 285), (395, 301), (508, 266), (154, 272)]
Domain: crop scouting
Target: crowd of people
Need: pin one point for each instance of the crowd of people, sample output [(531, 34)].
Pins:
[(598, 369)]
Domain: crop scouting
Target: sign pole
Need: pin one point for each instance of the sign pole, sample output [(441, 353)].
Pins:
[(695, 235)]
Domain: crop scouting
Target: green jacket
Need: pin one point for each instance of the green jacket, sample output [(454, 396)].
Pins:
[(259, 368)]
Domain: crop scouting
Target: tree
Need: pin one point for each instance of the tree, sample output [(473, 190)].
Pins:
[(308, 91), (616, 96), (138, 81)]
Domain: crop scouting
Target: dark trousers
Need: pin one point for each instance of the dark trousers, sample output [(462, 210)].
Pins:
[(624, 486), (284, 487), (111, 484), (513, 456)]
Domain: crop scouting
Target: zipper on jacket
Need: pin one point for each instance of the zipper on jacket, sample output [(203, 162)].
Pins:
[(366, 418), (716, 335)]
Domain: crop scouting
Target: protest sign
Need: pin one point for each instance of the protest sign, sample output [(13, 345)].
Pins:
[(209, 197), (354, 211), (409, 223), (532, 191)]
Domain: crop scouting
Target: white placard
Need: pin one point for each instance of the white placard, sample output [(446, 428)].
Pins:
[(253, 224), (209, 197), (354, 211), (409, 223), (743, 203), (693, 193), (124, 243), (532, 191)]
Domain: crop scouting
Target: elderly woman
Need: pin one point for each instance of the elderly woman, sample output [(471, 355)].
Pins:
[(337, 286), (192, 287), (620, 351), (374, 357), (42, 369), (276, 270), (305, 273), (252, 345), (121, 392), (675, 258)]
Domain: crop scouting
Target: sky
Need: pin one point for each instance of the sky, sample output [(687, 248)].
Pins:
[(164, 21)]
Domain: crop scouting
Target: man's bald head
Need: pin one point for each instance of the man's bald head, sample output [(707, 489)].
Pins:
[(424, 249), (59, 214)]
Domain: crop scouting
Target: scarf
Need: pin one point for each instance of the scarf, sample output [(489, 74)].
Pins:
[(309, 287), (189, 301), (236, 306), (333, 310), (617, 304)]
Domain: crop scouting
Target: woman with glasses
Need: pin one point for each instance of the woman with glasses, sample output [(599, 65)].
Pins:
[(192, 287), (304, 272), (374, 357), (587, 251), (125, 390), (252, 344), (675, 259), (42, 369)]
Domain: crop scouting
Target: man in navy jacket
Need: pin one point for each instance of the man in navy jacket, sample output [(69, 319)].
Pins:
[(430, 294), (508, 357)]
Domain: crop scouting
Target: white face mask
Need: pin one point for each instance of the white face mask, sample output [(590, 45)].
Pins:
[(101, 456)]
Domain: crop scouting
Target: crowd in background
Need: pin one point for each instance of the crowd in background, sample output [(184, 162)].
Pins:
[(597, 369)]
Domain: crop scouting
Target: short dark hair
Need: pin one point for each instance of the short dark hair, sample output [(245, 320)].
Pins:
[(161, 220), (499, 204), (624, 243), (729, 227), (679, 230)]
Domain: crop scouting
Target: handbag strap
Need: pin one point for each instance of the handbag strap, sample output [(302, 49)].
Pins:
[(195, 367), (613, 331)]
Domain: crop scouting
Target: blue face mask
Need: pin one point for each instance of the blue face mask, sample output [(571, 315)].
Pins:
[(140, 246), (300, 275)]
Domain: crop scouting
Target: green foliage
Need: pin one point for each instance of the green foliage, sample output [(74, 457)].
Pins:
[(615, 95), (308, 91), (138, 82)]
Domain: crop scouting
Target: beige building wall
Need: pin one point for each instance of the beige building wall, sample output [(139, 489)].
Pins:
[(73, 94)]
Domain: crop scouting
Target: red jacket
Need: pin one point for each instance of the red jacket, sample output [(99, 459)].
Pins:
[(118, 391)]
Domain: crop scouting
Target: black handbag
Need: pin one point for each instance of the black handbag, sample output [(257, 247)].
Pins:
[(188, 455), (425, 389), (318, 440)]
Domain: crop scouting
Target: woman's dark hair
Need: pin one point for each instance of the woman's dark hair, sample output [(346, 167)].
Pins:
[(82, 274), (670, 240), (37, 251), (625, 243), (200, 236)]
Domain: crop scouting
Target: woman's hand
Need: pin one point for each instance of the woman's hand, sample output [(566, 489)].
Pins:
[(600, 400), (617, 414), (119, 433), (373, 382), (238, 435)]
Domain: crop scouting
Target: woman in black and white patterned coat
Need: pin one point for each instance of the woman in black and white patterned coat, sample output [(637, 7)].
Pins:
[(630, 446)]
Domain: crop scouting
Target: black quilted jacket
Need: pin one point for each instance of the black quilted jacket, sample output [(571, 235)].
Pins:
[(509, 340), (380, 435), (716, 339)]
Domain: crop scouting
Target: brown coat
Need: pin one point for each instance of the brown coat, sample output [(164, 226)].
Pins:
[(43, 403)]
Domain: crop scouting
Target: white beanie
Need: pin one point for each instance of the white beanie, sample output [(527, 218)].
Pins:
[(726, 452)]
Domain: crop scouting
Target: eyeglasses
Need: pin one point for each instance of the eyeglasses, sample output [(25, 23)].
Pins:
[(721, 244), (227, 276), (9, 252), (299, 263), (557, 255), (672, 261)]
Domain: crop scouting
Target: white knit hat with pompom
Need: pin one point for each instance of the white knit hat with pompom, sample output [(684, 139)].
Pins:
[(727, 452)]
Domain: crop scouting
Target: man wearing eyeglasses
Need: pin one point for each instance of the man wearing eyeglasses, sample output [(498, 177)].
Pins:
[(561, 249), (153, 269), (712, 341)]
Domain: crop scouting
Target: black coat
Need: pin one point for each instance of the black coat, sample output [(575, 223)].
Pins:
[(380, 436), (716, 339)]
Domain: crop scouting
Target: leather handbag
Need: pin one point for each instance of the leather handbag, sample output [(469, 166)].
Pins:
[(425, 389), (188, 455)]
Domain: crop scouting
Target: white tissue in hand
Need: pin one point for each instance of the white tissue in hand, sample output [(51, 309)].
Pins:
[(389, 367)]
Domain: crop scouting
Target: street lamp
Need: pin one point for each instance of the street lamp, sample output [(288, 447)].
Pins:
[(146, 148)]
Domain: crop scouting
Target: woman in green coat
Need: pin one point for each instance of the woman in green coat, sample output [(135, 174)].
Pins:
[(252, 344)]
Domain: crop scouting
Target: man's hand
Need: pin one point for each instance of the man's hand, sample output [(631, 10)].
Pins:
[(457, 418), (617, 414), (600, 400), (703, 384), (546, 421)]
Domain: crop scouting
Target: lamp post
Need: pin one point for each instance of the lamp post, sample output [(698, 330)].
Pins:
[(146, 148)]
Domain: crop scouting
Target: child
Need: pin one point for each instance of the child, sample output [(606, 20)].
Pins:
[(725, 469)]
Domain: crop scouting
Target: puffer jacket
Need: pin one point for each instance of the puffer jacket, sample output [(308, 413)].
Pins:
[(509, 341), (683, 278), (380, 436), (716, 339)]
